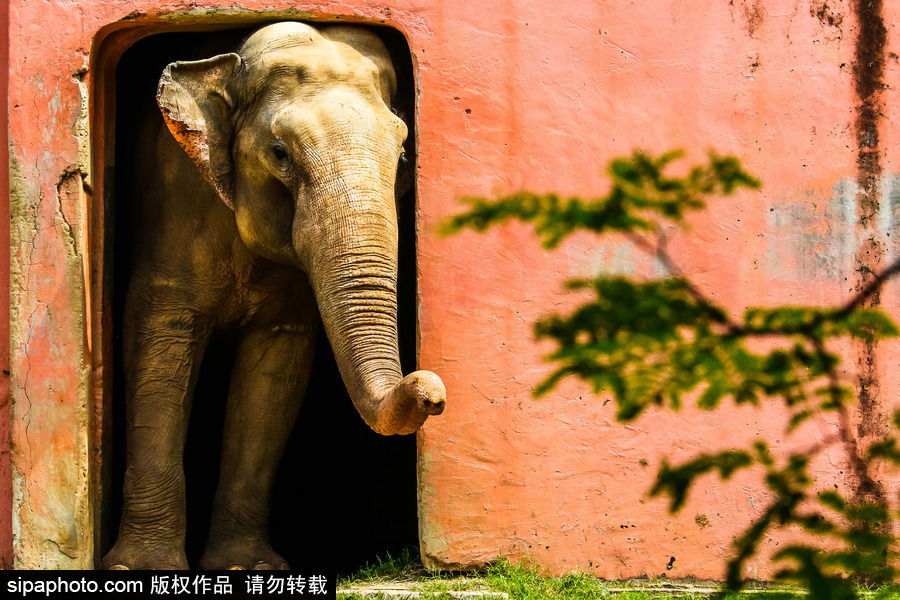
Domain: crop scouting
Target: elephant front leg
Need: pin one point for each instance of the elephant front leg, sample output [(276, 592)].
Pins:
[(162, 352), (269, 380)]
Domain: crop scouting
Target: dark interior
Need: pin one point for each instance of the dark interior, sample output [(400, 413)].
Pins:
[(344, 494)]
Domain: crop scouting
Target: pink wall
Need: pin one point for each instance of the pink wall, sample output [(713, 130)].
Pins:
[(514, 94), (5, 472), (555, 91)]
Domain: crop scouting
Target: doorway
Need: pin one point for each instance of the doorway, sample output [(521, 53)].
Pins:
[(343, 494)]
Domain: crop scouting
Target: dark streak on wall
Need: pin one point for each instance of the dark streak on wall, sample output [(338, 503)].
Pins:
[(868, 74)]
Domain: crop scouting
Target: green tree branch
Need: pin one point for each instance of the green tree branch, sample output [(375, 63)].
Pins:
[(653, 342)]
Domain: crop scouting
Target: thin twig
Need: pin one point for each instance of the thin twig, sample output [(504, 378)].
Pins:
[(873, 286), (659, 251), (821, 444)]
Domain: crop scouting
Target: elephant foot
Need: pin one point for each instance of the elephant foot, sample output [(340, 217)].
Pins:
[(127, 556), (243, 555)]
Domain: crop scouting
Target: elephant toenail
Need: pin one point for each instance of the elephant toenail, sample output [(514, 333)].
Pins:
[(119, 568), (263, 566), (236, 568)]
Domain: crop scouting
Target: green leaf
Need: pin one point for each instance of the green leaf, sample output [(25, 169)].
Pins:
[(869, 324), (866, 513), (641, 198), (712, 394), (836, 396), (833, 500), (659, 342), (815, 524), (809, 571), (891, 592), (675, 481), (763, 454), (798, 418), (886, 449)]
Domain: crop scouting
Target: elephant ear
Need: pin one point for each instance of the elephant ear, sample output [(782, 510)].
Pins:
[(196, 105)]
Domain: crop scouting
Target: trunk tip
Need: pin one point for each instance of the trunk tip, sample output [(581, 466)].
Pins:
[(419, 395), (428, 390)]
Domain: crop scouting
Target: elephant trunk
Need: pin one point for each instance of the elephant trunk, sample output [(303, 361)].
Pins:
[(353, 273)]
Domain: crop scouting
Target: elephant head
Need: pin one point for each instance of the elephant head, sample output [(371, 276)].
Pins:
[(296, 134)]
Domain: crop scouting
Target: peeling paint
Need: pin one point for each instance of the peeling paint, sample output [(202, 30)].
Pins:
[(50, 421), (826, 13), (81, 126), (613, 259), (16, 198), (889, 215), (814, 238)]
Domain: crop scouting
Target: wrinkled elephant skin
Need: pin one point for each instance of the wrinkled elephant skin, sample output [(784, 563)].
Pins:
[(266, 201)]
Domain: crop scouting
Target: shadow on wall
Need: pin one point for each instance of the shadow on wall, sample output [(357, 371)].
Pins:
[(343, 493)]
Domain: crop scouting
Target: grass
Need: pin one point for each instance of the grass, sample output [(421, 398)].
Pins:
[(406, 566), (519, 582)]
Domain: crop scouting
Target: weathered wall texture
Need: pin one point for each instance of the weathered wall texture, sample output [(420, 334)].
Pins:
[(802, 92), (514, 94), (5, 464)]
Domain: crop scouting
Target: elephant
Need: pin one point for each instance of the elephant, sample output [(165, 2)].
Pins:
[(265, 206)]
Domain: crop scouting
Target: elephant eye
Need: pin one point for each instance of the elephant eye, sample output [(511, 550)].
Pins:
[(279, 151)]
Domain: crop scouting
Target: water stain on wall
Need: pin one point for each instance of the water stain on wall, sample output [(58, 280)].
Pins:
[(752, 14), (868, 75), (814, 238)]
